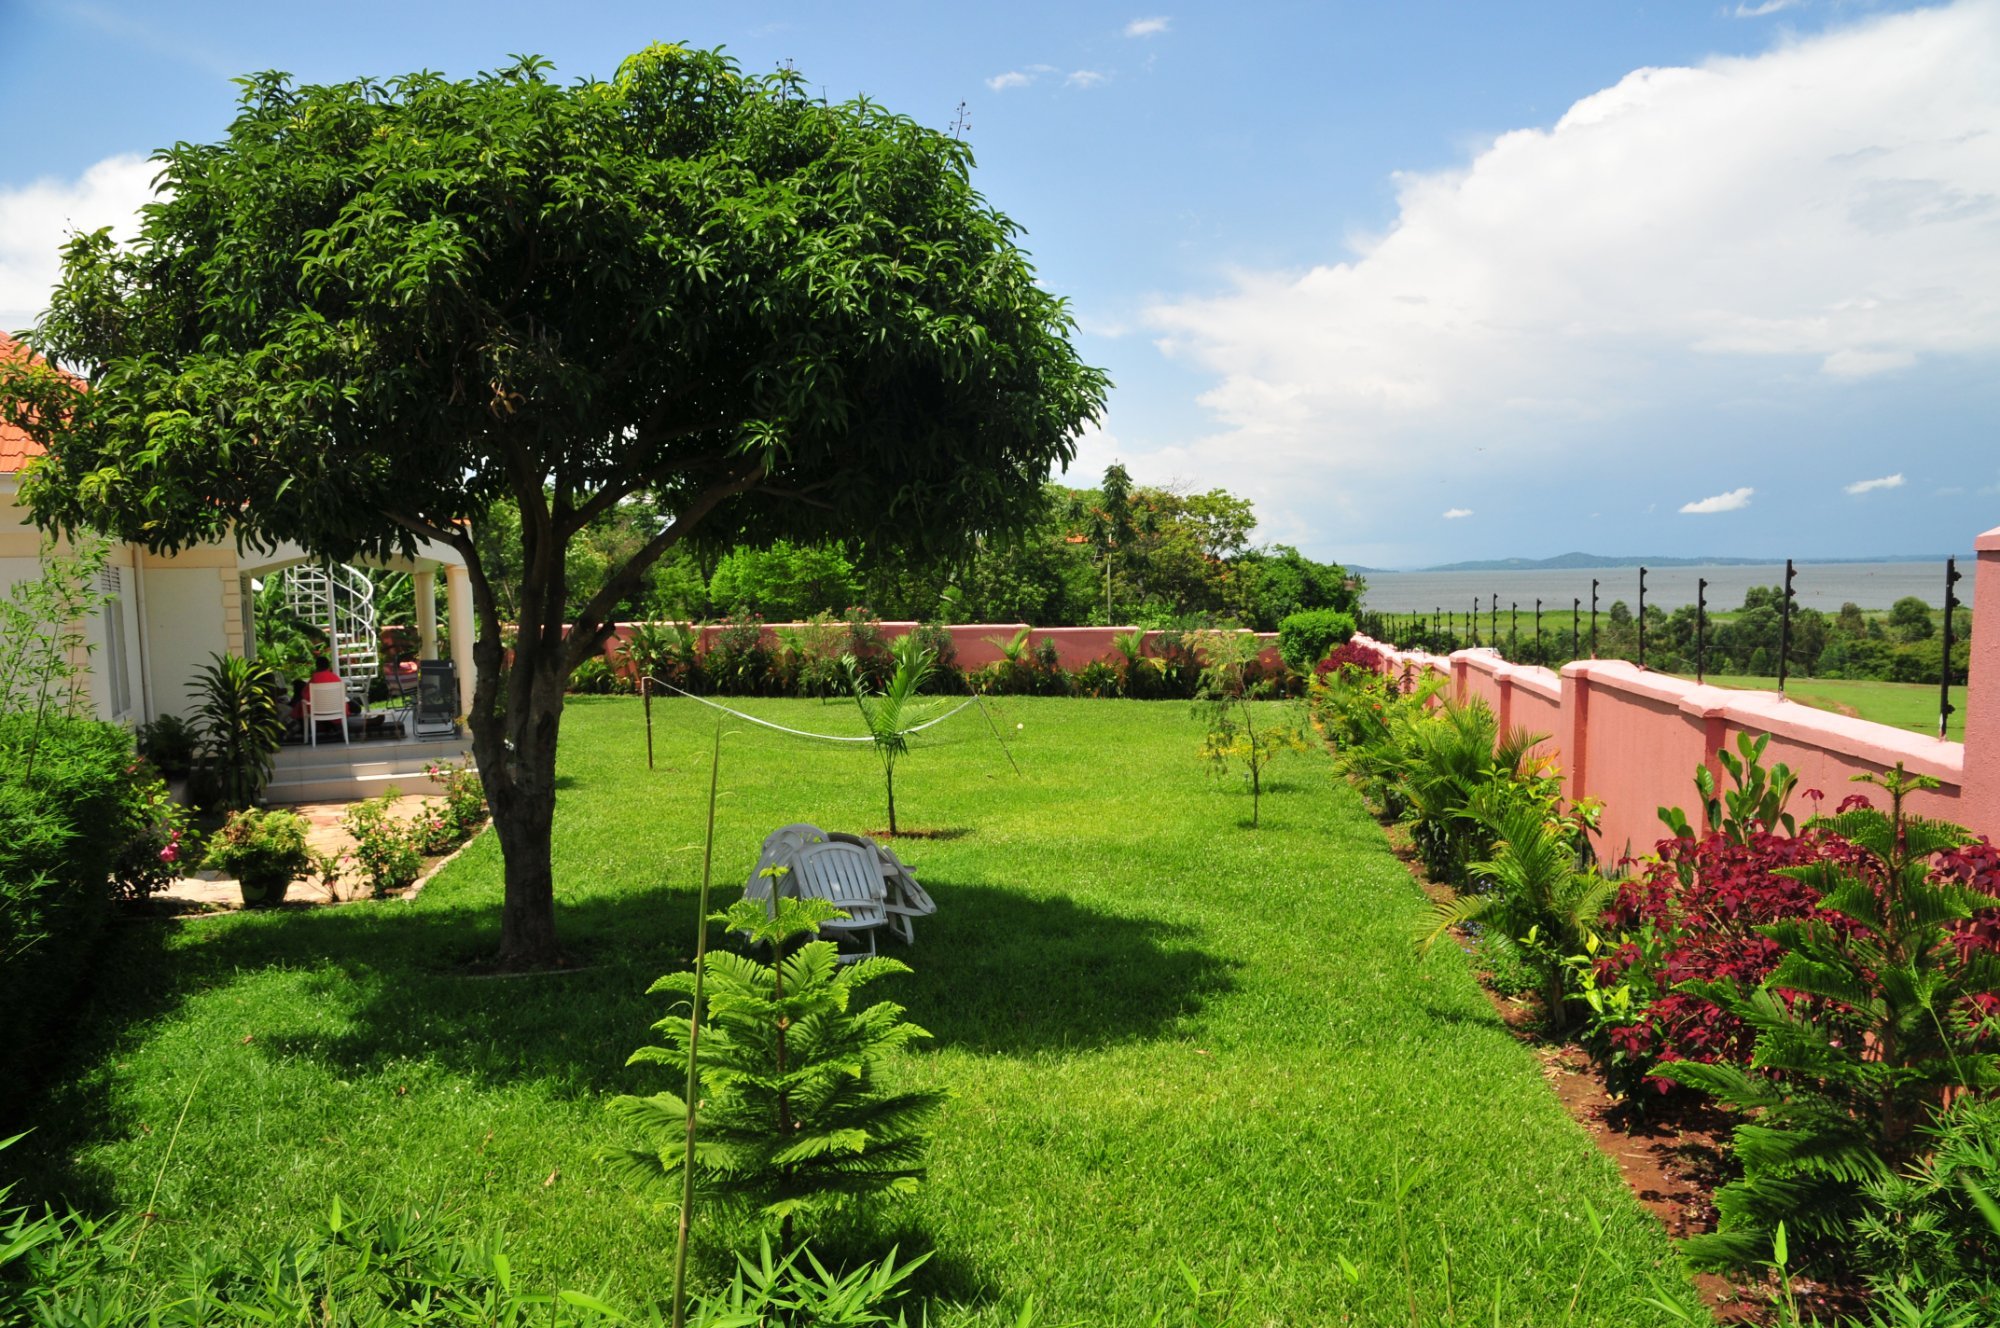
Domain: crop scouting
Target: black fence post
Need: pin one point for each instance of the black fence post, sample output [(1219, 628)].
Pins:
[(1785, 628), (1514, 630), (1472, 621), (1593, 617), (1575, 626), (1494, 619), (1541, 655), (1945, 707), (1700, 628), (1642, 617)]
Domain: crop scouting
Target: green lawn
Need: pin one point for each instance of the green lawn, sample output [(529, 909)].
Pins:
[(1905, 705), (1169, 1039)]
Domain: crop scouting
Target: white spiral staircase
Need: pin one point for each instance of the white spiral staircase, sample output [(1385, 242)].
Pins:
[(340, 601)]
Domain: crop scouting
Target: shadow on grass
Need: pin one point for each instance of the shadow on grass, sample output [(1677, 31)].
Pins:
[(1004, 973), (995, 972)]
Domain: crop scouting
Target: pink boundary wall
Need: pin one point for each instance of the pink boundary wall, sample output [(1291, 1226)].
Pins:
[(1631, 739), (978, 646)]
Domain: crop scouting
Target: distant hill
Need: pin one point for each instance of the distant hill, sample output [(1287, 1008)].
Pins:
[(1570, 562)]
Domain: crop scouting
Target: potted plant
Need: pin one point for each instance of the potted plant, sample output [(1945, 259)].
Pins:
[(264, 851)]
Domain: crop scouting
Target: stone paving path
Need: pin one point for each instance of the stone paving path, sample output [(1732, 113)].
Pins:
[(324, 835)]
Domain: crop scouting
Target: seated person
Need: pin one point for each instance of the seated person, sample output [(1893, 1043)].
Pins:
[(322, 672)]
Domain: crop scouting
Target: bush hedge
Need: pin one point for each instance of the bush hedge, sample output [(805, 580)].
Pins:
[(61, 785), (1305, 638)]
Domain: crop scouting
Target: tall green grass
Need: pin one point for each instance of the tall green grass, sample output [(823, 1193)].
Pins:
[(1175, 1047)]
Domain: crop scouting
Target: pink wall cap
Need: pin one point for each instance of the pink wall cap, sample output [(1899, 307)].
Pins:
[(1989, 542), (1872, 744), (1536, 679), (1706, 702)]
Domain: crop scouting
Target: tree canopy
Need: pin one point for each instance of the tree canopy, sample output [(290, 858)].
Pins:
[(378, 308)]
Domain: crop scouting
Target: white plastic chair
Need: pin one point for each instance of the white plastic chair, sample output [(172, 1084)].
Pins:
[(904, 899), (780, 847), (326, 703), (850, 878)]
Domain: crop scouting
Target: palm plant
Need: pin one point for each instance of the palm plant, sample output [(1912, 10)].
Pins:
[(894, 711), (1134, 664), (1452, 753), (241, 725), (1536, 903)]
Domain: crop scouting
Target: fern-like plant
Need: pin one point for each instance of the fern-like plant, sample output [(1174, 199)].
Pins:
[(1535, 902), (1450, 754), (792, 1117), (1866, 1027), (894, 711)]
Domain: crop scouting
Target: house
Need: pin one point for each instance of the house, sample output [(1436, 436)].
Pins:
[(166, 615)]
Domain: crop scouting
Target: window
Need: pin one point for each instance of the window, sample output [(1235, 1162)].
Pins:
[(118, 673)]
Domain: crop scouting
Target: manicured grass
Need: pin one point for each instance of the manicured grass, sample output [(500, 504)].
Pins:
[(1170, 1041), (1905, 705)]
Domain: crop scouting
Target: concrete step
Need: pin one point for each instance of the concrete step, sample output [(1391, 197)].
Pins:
[(344, 786)]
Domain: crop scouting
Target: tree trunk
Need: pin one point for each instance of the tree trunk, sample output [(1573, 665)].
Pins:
[(514, 740)]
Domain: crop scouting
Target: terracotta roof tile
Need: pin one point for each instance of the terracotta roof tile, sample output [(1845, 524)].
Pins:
[(16, 448)]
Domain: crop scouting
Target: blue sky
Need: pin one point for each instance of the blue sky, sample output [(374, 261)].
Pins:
[(1427, 281)]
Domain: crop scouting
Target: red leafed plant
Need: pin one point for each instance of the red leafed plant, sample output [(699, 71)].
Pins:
[(1694, 917), (1353, 655)]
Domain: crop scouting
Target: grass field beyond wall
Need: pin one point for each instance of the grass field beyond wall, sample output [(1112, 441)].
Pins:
[(1171, 1042), (1903, 705)]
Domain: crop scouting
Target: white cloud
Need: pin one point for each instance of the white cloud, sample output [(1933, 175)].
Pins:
[(1013, 78), (1148, 27), (1453, 514), (36, 219), (1086, 78), (1733, 501), (1869, 486), (1767, 7), (1775, 227)]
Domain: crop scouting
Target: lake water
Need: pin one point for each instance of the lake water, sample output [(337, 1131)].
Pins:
[(1819, 586)]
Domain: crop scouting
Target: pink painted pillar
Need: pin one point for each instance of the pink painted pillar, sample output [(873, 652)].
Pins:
[(1575, 726), (1459, 687), (1980, 794)]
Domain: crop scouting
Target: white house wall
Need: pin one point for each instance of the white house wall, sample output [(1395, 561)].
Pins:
[(191, 612)]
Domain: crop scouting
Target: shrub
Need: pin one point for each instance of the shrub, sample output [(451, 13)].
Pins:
[(160, 843), (794, 1120), (170, 743), (737, 661), (241, 726), (1875, 1014), (1352, 655), (592, 677), (55, 869), (385, 850), (266, 851), (464, 794), (1532, 900), (1305, 638)]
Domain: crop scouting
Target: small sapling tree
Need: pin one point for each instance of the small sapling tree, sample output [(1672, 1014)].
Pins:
[(1226, 698)]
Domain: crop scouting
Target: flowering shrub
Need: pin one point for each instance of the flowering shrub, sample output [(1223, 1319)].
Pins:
[(464, 796), (161, 844), (385, 849)]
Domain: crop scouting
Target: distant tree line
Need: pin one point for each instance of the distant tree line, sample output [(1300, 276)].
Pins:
[(1118, 554), (1905, 643)]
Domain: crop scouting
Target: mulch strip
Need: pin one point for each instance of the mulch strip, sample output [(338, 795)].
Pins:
[(1673, 1156)]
